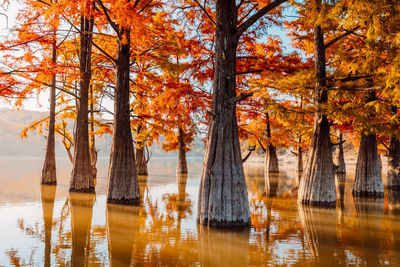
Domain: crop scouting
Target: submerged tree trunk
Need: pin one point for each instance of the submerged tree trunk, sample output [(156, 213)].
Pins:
[(368, 181), (82, 177), (182, 164), (271, 160), (223, 200), (393, 180), (49, 176), (141, 162), (48, 194), (341, 167), (123, 186), (271, 183), (317, 185)]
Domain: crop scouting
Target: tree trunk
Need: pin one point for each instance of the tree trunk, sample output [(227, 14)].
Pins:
[(271, 160), (82, 177), (123, 185), (81, 220), (299, 155), (223, 200), (368, 181), (393, 180), (49, 176), (48, 194), (340, 156), (92, 151), (317, 185), (182, 164), (122, 226), (141, 162)]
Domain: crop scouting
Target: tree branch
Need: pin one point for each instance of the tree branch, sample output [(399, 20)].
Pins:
[(340, 37), (205, 11), (250, 21), (246, 157), (106, 13)]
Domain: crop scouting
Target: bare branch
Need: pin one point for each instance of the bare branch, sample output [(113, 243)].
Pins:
[(340, 37), (205, 11)]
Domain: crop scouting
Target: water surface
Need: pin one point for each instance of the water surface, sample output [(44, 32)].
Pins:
[(47, 226)]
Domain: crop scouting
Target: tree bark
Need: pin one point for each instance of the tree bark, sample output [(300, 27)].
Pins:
[(48, 194), (123, 186), (223, 200), (92, 151), (340, 156), (81, 221), (317, 185), (271, 159), (82, 177), (393, 180), (49, 176), (182, 164), (368, 181)]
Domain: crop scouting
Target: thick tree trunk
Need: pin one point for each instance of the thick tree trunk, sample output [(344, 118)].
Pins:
[(122, 226), (393, 179), (49, 176), (340, 156), (48, 194), (223, 200), (271, 160), (317, 185), (182, 164), (81, 220), (368, 181), (82, 177), (123, 186)]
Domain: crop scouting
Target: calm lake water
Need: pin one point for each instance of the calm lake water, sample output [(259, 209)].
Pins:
[(47, 226)]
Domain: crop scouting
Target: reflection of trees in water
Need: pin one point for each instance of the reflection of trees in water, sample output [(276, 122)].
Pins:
[(48, 194), (369, 221), (319, 226), (394, 212), (122, 226), (81, 205), (223, 248)]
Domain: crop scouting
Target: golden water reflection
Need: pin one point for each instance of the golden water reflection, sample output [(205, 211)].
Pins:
[(54, 227)]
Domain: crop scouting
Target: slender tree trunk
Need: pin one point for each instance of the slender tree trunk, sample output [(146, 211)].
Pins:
[(92, 151), (340, 156), (271, 160), (317, 185), (393, 180), (123, 185), (368, 181), (223, 200), (81, 220), (182, 164), (82, 177), (271, 183), (299, 156), (141, 162), (48, 194), (49, 176)]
